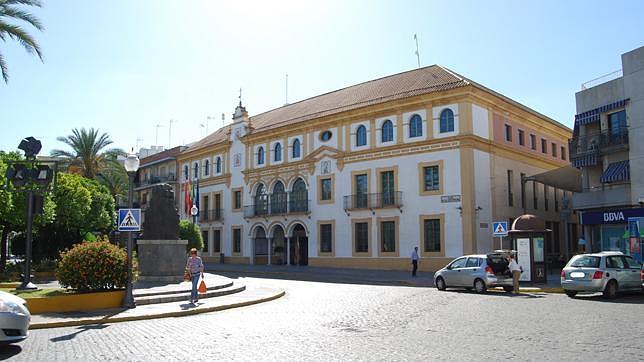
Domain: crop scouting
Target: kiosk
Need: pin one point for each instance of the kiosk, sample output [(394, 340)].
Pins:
[(528, 239)]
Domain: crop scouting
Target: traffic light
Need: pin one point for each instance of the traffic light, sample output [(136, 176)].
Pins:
[(42, 175), (17, 174)]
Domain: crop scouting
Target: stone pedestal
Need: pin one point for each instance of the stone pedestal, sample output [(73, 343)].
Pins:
[(162, 260)]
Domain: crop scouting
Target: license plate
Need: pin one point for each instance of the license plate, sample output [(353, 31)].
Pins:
[(576, 275)]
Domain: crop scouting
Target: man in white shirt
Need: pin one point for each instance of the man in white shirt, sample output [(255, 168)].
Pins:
[(414, 261), (515, 269)]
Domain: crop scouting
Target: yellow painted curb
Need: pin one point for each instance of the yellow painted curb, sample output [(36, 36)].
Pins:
[(9, 285), (105, 320), (75, 302)]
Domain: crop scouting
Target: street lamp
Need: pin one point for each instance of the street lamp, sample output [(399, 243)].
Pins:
[(131, 166), (194, 211)]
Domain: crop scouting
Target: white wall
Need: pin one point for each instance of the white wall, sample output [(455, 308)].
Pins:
[(480, 121)]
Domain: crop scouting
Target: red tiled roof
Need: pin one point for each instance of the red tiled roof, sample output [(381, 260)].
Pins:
[(398, 86)]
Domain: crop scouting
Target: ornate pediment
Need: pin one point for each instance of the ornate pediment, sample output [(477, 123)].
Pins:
[(324, 151)]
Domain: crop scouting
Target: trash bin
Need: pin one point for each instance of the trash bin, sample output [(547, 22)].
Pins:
[(221, 258)]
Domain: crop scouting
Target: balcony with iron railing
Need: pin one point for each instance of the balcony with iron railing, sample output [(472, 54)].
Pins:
[(603, 142), (275, 205), (211, 215), (380, 200), (170, 178)]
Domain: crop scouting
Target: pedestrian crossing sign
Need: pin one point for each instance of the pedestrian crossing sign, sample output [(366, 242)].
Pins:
[(500, 228), (129, 220)]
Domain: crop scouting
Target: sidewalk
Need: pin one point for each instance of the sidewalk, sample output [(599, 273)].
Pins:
[(351, 276), (243, 295)]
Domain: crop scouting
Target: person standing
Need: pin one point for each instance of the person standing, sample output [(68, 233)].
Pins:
[(195, 268), (414, 261), (515, 269), (582, 244)]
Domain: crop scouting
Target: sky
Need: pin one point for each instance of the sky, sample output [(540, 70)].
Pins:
[(129, 67)]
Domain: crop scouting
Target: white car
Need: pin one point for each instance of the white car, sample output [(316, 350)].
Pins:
[(14, 318)]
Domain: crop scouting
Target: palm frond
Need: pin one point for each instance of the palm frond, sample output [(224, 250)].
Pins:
[(17, 33), (10, 12), (36, 3), (4, 69)]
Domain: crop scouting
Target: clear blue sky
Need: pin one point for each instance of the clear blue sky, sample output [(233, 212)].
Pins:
[(125, 66)]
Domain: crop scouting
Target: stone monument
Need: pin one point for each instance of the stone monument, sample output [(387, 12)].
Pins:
[(162, 256)]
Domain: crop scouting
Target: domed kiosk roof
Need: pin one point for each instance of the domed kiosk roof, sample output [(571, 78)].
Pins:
[(528, 223)]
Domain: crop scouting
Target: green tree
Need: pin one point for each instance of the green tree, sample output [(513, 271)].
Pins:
[(88, 152), (81, 206), (10, 10), (189, 231)]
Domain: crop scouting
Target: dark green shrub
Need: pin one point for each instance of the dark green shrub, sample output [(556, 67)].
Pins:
[(93, 266), (189, 231)]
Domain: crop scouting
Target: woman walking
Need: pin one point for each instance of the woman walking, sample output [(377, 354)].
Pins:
[(195, 268)]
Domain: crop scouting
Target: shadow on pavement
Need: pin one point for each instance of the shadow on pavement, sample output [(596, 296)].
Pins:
[(9, 350), (626, 298), (308, 277), (499, 294), (81, 329)]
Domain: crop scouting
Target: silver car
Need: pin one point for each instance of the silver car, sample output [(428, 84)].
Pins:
[(609, 272), (481, 271), (14, 318)]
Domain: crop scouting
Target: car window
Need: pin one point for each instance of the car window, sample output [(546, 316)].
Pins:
[(586, 261), (615, 262), (473, 262), (459, 263), (632, 263)]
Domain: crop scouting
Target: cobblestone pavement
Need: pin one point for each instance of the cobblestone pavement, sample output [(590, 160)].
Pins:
[(324, 322)]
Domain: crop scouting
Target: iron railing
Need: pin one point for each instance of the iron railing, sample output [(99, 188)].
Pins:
[(211, 215), (378, 200), (279, 204), (598, 142)]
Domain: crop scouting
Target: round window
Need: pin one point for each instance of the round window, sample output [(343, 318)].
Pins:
[(326, 135)]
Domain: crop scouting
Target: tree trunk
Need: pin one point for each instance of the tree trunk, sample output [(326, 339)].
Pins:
[(3, 245)]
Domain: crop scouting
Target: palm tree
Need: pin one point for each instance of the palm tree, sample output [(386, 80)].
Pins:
[(87, 154), (9, 10)]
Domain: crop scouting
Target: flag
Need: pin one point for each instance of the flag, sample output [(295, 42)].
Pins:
[(197, 199), (185, 197), (415, 37)]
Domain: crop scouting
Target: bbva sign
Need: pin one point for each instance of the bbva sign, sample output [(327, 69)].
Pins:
[(614, 216)]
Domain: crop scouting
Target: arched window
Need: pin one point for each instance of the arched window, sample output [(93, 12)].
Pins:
[(186, 172), (261, 202), (218, 165), (296, 148), (278, 199), (206, 168), (361, 136), (387, 131), (299, 198), (415, 126), (195, 172), (447, 121), (278, 152), (260, 156)]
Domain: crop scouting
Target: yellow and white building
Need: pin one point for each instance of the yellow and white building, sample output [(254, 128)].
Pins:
[(360, 176)]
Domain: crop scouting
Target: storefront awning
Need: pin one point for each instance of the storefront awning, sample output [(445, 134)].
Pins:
[(594, 114), (584, 160), (564, 178), (617, 171)]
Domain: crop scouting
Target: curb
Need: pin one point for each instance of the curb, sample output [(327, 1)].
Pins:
[(82, 322)]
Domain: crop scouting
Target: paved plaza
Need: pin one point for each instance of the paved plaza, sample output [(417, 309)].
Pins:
[(332, 321)]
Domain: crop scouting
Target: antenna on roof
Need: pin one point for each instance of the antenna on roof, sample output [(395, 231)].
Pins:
[(137, 142), (156, 140), (170, 133), (417, 53), (223, 119), (286, 97)]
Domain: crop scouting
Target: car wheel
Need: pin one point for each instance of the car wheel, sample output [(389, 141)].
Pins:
[(508, 289), (570, 293), (479, 286), (440, 284), (611, 290)]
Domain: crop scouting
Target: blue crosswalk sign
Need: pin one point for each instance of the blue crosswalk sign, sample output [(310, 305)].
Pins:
[(500, 228), (129, 220)]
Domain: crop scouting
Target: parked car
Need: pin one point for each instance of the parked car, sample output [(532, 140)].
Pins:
[(609, 272), (14, 318), (481, 271)]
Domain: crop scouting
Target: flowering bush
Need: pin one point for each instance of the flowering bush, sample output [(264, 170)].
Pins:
[(92, 266)]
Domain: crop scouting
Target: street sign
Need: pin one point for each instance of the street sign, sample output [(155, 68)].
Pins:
[(500, 228), (129, 220)]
